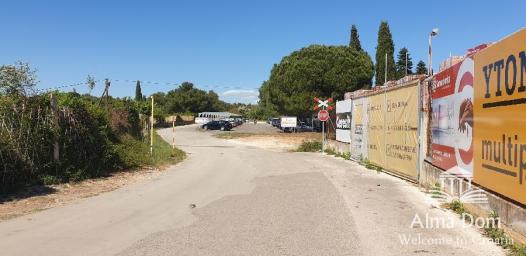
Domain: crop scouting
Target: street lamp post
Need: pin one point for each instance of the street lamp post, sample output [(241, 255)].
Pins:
[(433, 33)]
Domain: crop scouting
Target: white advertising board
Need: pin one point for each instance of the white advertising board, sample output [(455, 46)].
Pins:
[(289, 122), (343, 121)]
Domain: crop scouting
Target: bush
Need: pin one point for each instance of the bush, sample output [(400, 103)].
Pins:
[(331, 151), (309, 146), (94, 139), (132, 152)]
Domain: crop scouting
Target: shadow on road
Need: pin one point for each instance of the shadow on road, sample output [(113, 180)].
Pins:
[(39, 190)]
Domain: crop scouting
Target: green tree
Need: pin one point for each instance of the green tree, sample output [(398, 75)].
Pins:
[(260, 112), (421, 68), (138, 91), (18, 79), (355, 39), (188, 99), (314, 71), (385, 46), (404, 64)]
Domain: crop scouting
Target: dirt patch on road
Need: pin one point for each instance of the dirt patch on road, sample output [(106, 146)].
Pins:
[(44, 197)]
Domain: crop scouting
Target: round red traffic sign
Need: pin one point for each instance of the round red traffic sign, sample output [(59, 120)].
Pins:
[(323, 115)]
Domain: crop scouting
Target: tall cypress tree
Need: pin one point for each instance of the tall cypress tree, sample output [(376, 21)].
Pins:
[(401, 68), (355, 39), (138, 91), (385, 46), (421, 68)]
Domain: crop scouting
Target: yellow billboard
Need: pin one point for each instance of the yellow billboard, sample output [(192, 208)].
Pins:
[(375, 129), (499, 121), (401, 131)]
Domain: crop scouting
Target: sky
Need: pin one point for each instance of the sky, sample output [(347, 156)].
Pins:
[(225, 46)]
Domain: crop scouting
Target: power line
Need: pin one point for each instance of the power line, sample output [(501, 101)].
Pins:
[(148, 83)]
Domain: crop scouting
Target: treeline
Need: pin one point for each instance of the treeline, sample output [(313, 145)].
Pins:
[(189, 100), (57, 137), (330, 71)]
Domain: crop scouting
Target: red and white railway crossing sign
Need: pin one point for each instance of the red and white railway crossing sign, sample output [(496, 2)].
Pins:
[(323, 104), (323, 115)]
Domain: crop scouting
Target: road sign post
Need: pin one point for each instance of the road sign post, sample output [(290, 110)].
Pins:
[(323, 116)]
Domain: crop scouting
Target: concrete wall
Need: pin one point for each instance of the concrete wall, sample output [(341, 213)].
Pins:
[(513, 216), (339, 146)]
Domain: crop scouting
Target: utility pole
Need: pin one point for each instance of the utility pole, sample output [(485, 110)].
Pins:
[(105, 94), (151, 130)]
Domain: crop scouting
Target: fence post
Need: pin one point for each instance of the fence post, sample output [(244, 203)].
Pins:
[(54, 108), (151, 130)]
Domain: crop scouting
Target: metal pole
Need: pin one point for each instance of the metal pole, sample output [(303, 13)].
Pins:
[(322, 137), (173, 132), (151, 130), (430, 55)]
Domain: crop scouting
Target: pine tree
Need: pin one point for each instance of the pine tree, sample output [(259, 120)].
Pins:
[(401, 68), (385, 46), (421, 68), (138, 92), (355, 39)]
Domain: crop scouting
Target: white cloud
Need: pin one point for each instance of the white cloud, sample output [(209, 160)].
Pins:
[(240, 95)]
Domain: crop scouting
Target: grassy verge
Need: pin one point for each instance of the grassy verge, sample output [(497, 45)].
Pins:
[(495, 233), (136, 153)]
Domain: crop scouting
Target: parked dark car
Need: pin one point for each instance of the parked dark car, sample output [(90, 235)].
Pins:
[(217, 125), (276, 122), (289, 129), (304, 127)]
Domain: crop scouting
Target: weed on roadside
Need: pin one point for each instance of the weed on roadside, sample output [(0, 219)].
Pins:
[(331, 151), (456, 206), (309, 146)]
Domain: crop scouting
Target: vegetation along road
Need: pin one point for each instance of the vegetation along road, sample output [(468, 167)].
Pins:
[(243, 200)]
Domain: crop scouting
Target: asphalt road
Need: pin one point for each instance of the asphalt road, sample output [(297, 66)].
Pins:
[(248, 201)]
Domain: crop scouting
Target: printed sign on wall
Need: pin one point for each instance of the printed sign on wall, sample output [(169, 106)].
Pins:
[(376, 140), (452, 118), (500, 104), (401, 130), (343, 121), (359, 128)]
